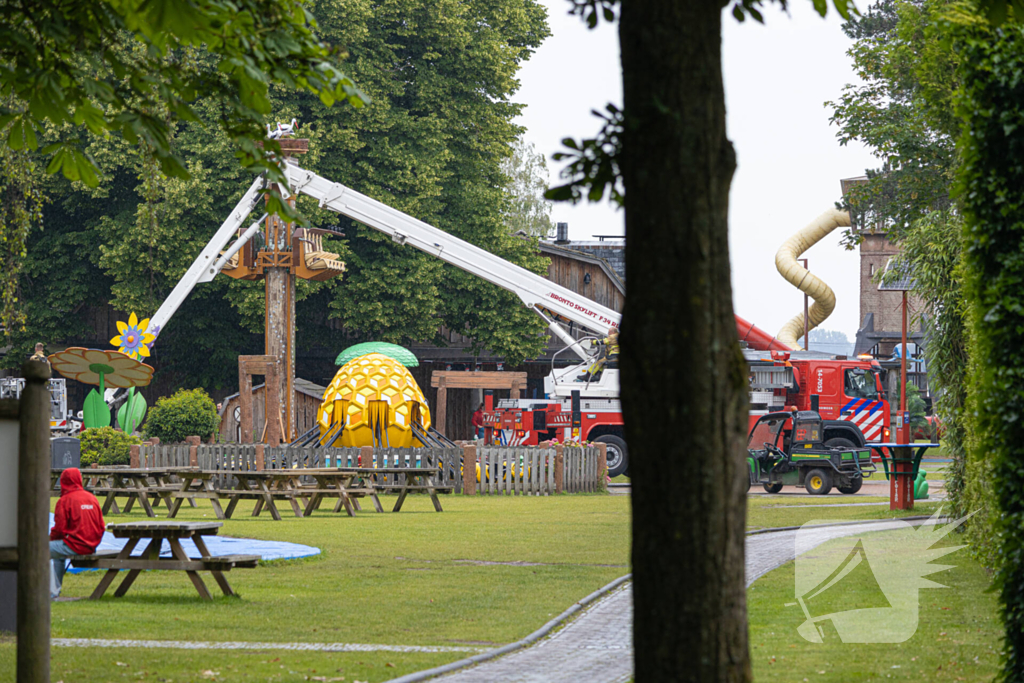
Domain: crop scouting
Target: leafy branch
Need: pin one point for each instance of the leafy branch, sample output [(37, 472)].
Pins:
[(594, 163)]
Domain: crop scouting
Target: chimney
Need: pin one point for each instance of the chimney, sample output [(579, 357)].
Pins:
[(562, 233)]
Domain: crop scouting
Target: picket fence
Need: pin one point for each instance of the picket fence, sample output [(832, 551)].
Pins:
[(531, 471), (164, 455), (582, 470), (500, 469)]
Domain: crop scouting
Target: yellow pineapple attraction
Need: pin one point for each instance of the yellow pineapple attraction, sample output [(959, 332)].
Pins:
[(373, 395)]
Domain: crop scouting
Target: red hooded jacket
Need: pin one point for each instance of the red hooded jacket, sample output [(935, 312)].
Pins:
[(77, 520)]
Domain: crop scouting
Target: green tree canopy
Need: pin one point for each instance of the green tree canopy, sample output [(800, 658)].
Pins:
[(902, 110), (76, 71), (527, 173), (440, 77), (62, 65)]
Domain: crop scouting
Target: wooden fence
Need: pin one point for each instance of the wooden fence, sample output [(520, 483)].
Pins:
[(516, 471), (534, 471), (226, 457), (164, 455), (449, 460), (582, 470), (288, 457), (500, 470)]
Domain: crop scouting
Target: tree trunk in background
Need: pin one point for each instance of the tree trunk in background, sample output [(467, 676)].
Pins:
[(683, 376)]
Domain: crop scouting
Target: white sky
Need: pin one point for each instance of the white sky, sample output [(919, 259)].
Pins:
[(777, 77)]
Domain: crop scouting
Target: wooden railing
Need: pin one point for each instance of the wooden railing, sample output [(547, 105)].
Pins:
[(516, 471), (582, 471), (164, 455), (496, 469), (449, 460)]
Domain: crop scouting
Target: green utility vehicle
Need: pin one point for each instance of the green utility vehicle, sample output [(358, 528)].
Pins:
[(786, 449)]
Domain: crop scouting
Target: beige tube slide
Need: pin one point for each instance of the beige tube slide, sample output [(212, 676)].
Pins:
[(802, 279)]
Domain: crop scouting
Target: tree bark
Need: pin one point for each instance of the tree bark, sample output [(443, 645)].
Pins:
[(683, 376)]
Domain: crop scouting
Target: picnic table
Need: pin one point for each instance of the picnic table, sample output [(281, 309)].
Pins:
[(265, 486), (406, 479), (156, 533), (185, 490), (136, 484), (348, 483), (345, 484)]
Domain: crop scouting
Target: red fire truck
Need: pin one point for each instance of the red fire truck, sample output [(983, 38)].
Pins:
[(846, 392)]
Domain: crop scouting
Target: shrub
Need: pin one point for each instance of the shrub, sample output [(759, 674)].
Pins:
[(186, 413), (106, 446)]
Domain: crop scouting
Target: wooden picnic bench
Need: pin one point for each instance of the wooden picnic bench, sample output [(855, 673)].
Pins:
[(348, 483), (265, 486), (406, 479), (194, 483), (156, 533), (345, 484)]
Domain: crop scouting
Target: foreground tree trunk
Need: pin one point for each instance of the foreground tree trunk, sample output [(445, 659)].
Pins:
[(683, 377)]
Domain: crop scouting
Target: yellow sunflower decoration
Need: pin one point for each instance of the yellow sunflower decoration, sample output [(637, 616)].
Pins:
[(134, 339)]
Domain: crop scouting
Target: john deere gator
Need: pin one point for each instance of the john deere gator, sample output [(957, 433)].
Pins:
[(786, 449)]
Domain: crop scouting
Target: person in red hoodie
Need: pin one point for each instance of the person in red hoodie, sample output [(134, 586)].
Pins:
[(77, 526)]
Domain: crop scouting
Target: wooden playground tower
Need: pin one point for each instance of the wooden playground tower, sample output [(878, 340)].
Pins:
[(286, 252)]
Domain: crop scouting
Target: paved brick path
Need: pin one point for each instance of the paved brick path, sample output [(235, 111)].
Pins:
[(597, 646)]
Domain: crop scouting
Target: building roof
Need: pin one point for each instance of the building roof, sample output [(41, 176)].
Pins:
[(298, 384), (569, 252)]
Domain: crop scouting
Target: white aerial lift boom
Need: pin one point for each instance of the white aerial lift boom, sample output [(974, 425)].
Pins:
[(551, 301)]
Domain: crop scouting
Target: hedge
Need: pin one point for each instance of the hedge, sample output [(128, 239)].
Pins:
[(106, 446), (186, 413), (991, 190)]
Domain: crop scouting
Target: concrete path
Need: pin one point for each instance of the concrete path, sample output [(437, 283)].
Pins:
[(597, 646)]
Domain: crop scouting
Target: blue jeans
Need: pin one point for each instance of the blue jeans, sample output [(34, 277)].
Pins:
[(59, 552)]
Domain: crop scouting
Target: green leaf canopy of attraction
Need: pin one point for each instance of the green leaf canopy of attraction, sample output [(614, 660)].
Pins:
[(392, 351)]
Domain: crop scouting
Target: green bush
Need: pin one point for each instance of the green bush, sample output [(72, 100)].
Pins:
[(106, 446), (186, 413)]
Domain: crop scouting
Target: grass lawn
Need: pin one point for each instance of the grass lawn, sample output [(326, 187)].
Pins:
[(764, 511), (487, 571), (412, 578), (957, 638)]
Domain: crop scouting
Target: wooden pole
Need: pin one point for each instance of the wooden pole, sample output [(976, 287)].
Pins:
[(34, 526), (469, 470), (244, 402), (442, 405)]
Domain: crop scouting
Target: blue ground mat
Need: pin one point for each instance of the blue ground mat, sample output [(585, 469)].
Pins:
[(218, 545)]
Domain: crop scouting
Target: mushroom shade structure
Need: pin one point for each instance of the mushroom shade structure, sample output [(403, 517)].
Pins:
[(105, 369), (394, 351)]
